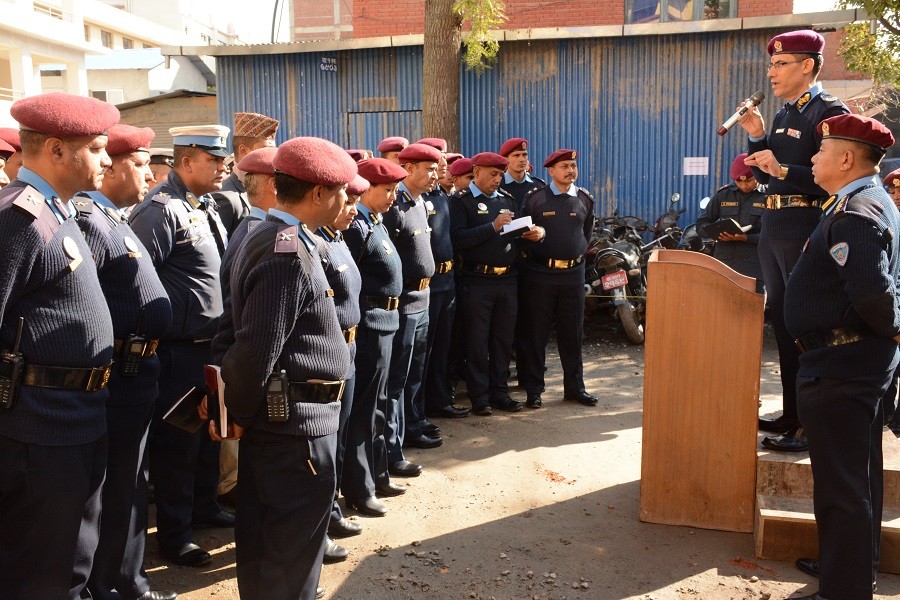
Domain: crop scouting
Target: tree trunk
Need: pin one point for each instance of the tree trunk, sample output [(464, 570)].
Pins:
[(440, 72)]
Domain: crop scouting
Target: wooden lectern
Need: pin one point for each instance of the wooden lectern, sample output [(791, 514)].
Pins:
[(702, 358)]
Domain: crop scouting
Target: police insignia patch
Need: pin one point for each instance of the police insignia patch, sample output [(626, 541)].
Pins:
[(840, 252), (482, 206), (824, 129), (777, 45)]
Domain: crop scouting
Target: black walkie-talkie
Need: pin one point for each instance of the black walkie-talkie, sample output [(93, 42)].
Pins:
[(12, 364), (133, 350), (277, 398)]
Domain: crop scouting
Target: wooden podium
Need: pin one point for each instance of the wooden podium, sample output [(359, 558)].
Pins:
[(701, 391)]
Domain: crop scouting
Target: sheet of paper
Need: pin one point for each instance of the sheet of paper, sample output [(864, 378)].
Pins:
[(517, 224)]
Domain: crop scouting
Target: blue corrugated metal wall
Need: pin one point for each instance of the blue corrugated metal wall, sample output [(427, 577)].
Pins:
[(633, 107)]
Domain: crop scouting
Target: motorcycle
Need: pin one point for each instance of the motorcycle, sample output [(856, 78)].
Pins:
[(692, 239)]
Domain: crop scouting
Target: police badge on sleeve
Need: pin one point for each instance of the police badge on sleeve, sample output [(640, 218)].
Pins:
[(840, 252)]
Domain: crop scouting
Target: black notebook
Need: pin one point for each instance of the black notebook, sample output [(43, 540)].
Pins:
[(184, 413), (712, 230)]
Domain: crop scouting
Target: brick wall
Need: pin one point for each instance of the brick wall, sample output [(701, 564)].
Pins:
[(310, 14), (834, 67), (762, 8)]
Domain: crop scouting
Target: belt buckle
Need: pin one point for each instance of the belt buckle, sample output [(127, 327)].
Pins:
[(350, 335), (393, 303), (423, 283), (150, 348), (93, 384), (340, 391), (558, 264)]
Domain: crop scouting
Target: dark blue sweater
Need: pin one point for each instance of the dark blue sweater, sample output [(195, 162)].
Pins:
[(344, 279), (379, 267), (437, 203), (407, 224), (474, 237)]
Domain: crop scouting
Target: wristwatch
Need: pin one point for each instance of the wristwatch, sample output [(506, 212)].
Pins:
[(784, 171)]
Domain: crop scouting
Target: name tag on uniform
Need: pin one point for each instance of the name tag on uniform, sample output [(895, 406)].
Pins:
[(728, 204), (759, 205), (779, 130), (416, 231), (387, 246), (132, 247), (342, 268), (794, 133), (197, 216), (551, 213), (70, 248)]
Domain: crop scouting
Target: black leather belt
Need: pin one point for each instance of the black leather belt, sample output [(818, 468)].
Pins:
[(350, 335), (148, 348), (835, 337), (65, 378), (321, 392), (486, 269), (557, 263), (417, 284), (443, 267), (383, 302), (777, 201)]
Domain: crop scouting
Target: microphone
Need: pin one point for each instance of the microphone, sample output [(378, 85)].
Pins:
[(749, 103)]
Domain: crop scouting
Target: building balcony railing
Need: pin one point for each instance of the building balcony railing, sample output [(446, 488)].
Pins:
[(10, 94), (52, 10)]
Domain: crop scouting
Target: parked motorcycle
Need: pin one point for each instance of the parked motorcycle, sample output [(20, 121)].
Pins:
[(692, 239)]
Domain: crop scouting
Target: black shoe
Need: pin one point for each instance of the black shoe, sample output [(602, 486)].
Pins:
[(404, 468), (448, 412), (582, 397), (223, 519), (894, 426), (792, 441), (431, 430), (189, 555), (507, 404), (154, 595), (390, 489), (334, 552), (370, 506), (344, 528), (320, 593), (810, 566), (482, 409), (422, 441), (779, 425), (533, 401)]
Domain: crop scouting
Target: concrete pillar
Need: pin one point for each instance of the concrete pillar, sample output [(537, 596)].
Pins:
[(75, 78), (26, 77)]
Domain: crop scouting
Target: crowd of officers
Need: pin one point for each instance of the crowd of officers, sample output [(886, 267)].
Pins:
[(341, 297)]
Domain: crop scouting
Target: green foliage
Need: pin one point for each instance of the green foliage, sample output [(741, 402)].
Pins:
[(482, 16), (878, 54)]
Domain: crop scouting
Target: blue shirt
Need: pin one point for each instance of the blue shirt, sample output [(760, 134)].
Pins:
[(98, 197), (573, 190), (257, 213), (47, 191), (477, 192), (507, 178)]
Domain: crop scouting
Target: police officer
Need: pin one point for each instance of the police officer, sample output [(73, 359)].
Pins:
[(517, 180), (284, 377), (488, 281), (390, 147), (553, 275), (178, 225), (141, 313), (365, 461), (781, 160), (743, 202), (840, 306), (5, 152), (56, 341), (889, 402), (161, 163), (13, 161), (251, 132)]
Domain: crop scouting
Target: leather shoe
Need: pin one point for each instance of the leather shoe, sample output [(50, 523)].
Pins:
[(450, 411), (370, 506), (390, 489), (404, 468), (222, 519), (792, 441), (154, 595), (779, 425), (582, 397), (482, 409), (422, 441), (334, 552), (431, 430), (507, 404), (320, 593), (189, 555), (810, 566), (533, 401), (344, 528)]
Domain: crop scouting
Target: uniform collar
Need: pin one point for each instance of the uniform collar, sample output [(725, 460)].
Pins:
[(62, 209), (477, 192), (367, 213), (257, 213), (851, 187), (507, 178), (573, 190), (404, 193), (803, 101), (290, 219), (328, 233)]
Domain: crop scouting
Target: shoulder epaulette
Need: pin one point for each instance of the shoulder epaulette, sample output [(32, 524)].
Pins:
[(287, 240), (161, 198), (84, 205), (538, 180), (30, 202), (724, 187), (503, 192), (582, 190), (463, 192), (828, 97)]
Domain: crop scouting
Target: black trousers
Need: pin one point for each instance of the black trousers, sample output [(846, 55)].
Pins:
[(184, 467), (404, 416), (843, 423), (490, 320), (49, 511), (435, 391), (889, 402), (539, 309), (341, 443), (284, 497)]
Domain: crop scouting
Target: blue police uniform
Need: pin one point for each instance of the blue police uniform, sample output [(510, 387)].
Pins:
[(520, 189), (185, 240), (232, 203), (365, 460), (284, 319), (139, 306), (793, 140), (729, 202), (840, 305), (53, 436)]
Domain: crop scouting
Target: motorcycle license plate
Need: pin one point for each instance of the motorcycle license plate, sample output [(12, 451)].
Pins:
[(612, 281)]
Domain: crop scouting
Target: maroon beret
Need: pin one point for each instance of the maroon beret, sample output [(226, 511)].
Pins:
[(359, 154), (436, 143), (463, 166), (489, 159), (358, 186), (125, 139), (452, 157), (315, 161), (513, 144), (857, 128), (11, 137), (419, 153), (64, 115), (259, 161), (561, 154), (6, 150), (805, 41), (381, 170), (892, 179), (392, 144), (740, 171)]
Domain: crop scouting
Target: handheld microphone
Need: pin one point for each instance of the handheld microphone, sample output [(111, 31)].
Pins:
[(749, 103)]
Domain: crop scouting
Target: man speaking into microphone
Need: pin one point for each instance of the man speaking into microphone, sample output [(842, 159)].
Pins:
[(782, 160)]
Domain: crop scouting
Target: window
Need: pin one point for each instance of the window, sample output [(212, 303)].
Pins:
[(111, 96), (147, 46), (127, 43), (654, 11), (106, 38), (87, 32)]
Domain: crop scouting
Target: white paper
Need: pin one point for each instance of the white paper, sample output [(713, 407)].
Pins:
[(517, 224), (696, 165)]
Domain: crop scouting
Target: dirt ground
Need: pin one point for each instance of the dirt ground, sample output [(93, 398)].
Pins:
[(537, 505)]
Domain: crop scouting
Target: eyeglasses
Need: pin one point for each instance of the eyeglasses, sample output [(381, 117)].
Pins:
[(779, 65)]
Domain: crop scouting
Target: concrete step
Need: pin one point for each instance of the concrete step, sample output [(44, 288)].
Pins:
[(785, 529)]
